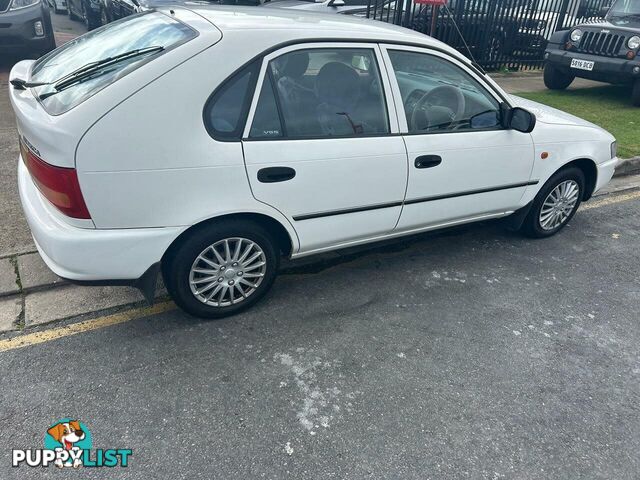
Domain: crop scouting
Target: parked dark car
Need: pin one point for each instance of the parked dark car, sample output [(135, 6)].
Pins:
[(489, 29), (603, 51), (25, 27), (115, 9), (88, 11)]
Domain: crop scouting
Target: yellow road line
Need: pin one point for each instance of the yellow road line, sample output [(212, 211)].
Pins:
[(47, 335), (611, 199), (35, 338)]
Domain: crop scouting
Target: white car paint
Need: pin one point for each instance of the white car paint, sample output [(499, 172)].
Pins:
[(148, 169)]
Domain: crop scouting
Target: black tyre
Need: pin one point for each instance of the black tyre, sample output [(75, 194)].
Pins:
[(556, 203), (104, 16), (90, 22), (72, 16), (635, 94), (555, 78), (221, 269)]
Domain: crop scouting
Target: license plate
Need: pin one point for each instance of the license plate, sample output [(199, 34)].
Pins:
[(582, 64)]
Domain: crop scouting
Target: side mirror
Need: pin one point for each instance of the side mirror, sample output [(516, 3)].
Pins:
[(603, 11), (336, 3), (521, 120)]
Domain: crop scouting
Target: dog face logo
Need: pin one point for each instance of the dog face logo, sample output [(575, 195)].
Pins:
[(67, 433), (70, 436)]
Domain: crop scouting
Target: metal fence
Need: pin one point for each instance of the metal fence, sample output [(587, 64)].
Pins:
[(498, 34)]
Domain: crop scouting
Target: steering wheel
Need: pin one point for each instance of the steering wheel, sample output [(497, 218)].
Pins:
[(441, 106)]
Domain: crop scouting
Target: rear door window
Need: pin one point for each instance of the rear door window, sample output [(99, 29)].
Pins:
[(139, 32), (320, 93)]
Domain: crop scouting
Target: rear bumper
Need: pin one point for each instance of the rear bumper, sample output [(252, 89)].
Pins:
[(85, 254), (605, 69), (18, 33)]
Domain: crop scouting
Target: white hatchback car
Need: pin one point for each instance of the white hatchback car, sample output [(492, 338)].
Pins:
[(205, 143)]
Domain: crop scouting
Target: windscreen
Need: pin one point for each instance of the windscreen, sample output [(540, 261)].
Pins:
[(625, 7), (153, 29)]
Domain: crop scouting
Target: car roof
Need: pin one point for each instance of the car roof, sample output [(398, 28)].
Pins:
[(288, 24)]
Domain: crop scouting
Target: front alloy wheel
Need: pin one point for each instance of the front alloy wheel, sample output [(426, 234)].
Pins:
[(559, 204), (555, 204)]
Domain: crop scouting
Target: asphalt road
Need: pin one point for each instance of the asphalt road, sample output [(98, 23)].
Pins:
[(473, 353)]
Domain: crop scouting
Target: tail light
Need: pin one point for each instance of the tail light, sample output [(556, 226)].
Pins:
[(58, 185)]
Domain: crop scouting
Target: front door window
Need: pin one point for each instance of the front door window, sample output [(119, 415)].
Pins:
[(439, 96)]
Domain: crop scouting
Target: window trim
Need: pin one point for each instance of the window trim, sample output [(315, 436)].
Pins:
[(400, 113), (380, 45), (236, 135), (387, 92)]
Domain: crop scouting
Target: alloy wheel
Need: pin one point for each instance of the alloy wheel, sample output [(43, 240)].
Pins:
[(227, 272), (559, 204), (495, 46)]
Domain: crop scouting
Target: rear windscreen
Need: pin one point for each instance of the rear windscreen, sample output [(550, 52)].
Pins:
[(136, 33)]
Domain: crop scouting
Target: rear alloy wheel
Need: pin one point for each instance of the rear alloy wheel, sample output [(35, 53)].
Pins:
[(227, 272), (555, 78), (635, 93), (555, 204), (221, 269)]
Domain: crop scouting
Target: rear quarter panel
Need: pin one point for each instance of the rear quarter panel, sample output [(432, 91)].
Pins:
[(149, 162)]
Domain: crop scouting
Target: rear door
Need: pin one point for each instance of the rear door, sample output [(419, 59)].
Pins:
[(322, 145)]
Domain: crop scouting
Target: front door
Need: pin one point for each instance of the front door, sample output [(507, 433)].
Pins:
[(321, 144), (462, 163)]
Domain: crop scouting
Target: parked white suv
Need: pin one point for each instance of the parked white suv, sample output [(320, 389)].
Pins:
[(207, 143)]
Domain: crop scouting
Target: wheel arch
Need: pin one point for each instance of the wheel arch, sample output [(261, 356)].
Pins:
[(283, 238), (590, 172)]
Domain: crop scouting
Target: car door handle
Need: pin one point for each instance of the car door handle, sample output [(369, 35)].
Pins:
[(428, 161), (275, 174)]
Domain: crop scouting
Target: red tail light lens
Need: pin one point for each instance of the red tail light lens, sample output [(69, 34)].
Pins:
[(58, 185)]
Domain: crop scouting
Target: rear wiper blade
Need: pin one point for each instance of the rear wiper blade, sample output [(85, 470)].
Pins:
[(90, 68), (22, 84), (85, 70)]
